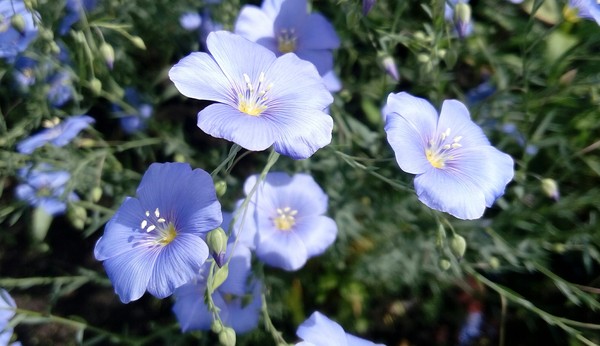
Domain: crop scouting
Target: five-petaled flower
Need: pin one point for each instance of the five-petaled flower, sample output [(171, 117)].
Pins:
[(285, 26), (58, 133), (238, 298), (17, 28), (261, 100), (285, 219), (319, 330), (44, 187), (154, 241), (457, 169)]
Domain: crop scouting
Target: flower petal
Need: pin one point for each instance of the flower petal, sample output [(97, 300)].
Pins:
[(199, 76), (321, 58), (455, 116), (318, 33), (279, 249), (177, 264), (130, 272), (408, 144), (28, 145), (239, 269), (253, 24), (450, 193), (292, 15), (254, 133), (71, 128), (317, 233), (189, 307), (320, 330), (304, 143)]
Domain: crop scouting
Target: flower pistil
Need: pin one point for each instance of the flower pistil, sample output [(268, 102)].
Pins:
[(165, 231), (253, 100), (440, 151)]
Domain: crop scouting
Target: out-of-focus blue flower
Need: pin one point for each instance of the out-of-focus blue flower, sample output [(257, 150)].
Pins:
[(154, 241), (319, 330), (133, 122), (457, 169), (58, 133), (45, 188), (285, 26), (15, 38), (480, 92), (512, 130), (588, 9), (190, 21), (261, 101), (73, 11), (24, 72), (7, 311), (367, 5), (286, 216), (471, 330), (459, 13), (238, 298), (60, 88)]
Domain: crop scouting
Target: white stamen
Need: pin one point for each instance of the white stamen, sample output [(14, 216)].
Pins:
[(151, 228), (156, 213), (147, 213), (144, 224), (161, 220)]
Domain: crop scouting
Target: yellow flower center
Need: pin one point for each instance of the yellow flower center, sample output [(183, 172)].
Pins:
[(441, 149), (253, 100), (163, 232), (285, 220), (286, 41)]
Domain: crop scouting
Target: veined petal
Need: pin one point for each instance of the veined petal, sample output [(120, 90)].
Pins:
[(237, 56), (318, 33), (253, 23), (298, 145), (190, 309), (320, 330), (292, 14), (251, 132), (122, 232), (283, 250), (490, 169), (130, 272), (199, 76), (271, 7), (321, 58), (451, 193), (408, 144), (244, 318), (317, 233), (418, 112), (239, 269), (455, 116), (177, 264)]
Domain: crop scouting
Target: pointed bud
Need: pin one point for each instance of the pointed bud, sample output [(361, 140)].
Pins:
[(390, 67), (458, 246), (18, 22), (77, 216), (227, 337), (219, 277), (108, 54), (40, 224), (96, 194), (221, 187), (217, 243), (30, 4), (138, 42), (462, 18), (550, 188)]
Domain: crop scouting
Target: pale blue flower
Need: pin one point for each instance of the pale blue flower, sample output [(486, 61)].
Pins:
[(190, 21), (457, 169), (154, 241), (132, 122), (471, 330), (73, 11), (261, 100), (588, 9), (285, 219), (57, 133), (15, 40), (7, 312), (319, 330), (60, 89), (285, 26), (238, 298), (45, 188)]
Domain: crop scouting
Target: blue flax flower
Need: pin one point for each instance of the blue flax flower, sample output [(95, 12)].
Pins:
[(73, 11), (318, 330), (261, 100), (14, 40), (154, 241), (44, 188), (60, 89), (190, 21), (7, 311), (588, 9), (285, 26), (238, 298), (57, 133), (457, 169), (132, 122), (285, 219)]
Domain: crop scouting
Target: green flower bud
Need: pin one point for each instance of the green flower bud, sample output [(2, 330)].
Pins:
[(18, 22), (77, 216), (550, 188), (96, 86), (216, 326), (221, 187), (444, 264), (494, 262), (227, 337), (458, 246), (108, 54), (138, 42), (96, 194), (217, 243), (219, 277)]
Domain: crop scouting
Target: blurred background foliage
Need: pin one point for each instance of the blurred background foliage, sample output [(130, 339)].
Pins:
[(530, 78)]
